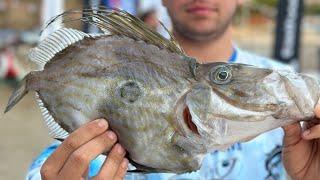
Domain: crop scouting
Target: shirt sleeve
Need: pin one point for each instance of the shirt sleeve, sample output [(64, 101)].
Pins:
[(34, 169), (94, 167)]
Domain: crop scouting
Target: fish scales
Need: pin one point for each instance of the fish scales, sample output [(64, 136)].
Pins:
[(167, 109), (120, 74)]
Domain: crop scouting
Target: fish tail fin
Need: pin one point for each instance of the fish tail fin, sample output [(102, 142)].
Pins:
[(18, 94)]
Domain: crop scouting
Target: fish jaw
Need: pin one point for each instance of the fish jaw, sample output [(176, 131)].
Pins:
[(207, 127), (283, 98)]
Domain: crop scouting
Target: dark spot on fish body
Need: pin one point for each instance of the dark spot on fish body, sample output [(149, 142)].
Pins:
[(130, 92)]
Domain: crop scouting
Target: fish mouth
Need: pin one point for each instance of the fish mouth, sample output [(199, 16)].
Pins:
[(187, 117)]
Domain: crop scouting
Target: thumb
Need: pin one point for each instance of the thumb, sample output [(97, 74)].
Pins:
[(317, 110), (292, 134)]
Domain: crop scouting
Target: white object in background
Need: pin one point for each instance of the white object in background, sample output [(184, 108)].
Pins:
[(50, 9), (4, 65), (162, 13)]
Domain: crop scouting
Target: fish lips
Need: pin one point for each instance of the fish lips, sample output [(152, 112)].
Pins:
[(188, 123)]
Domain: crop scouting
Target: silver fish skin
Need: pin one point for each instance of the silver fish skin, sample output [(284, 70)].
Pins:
[(167, 110)]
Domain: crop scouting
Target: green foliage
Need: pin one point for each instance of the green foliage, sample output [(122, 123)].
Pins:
[(313, 10), (270, 3)]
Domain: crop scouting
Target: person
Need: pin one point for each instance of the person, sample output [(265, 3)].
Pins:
[(150, 18), (202, 27)]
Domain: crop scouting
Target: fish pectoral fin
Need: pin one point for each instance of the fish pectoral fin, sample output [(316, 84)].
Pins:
[(17, 94)]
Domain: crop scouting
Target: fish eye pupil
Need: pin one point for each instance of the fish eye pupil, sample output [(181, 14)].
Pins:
[(220, 75), (223, 75)]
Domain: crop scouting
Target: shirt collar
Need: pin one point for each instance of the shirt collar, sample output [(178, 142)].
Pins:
[(234, 56)]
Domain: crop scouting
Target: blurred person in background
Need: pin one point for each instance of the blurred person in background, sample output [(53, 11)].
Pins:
[(9, 70), (150, 18), (203, 29)]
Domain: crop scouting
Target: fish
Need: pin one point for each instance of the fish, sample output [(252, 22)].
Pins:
[(167, 109)]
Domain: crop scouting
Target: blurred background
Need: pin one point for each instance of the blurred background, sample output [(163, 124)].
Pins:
[(286, 30)]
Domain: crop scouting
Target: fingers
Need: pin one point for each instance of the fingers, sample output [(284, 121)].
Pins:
[(112, 166), (312, 133), (317, 110), (86, 173), (292, 134), (80, 159), (121, 173), (76, 139)]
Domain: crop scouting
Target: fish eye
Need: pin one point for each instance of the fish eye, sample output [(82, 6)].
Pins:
[(221, 75)]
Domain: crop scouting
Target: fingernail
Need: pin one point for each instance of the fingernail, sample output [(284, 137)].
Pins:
[(119, 149), (306, 133), (102, 123), (124, 163), (111, 135)]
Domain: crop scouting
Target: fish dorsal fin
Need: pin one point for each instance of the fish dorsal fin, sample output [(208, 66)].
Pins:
[(53, 44), (55, 130), (119, 22)]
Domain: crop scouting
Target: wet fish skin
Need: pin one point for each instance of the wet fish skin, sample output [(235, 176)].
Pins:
[(167, 110), (135, 86), (76, 90), (254, 101)]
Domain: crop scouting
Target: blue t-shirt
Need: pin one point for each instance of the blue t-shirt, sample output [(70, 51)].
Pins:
[(257, 159)]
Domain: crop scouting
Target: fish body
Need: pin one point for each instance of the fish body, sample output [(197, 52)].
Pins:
[(167, 109), (124, 81)]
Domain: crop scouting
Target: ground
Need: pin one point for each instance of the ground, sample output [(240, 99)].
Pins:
[(23, 135)]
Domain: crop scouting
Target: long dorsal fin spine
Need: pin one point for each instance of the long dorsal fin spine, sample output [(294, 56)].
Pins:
[(119, 22)]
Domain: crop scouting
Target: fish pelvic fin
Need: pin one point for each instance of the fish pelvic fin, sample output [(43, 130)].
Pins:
[(17, 94)]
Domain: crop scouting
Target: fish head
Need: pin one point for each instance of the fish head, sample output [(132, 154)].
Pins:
[(229, 103)]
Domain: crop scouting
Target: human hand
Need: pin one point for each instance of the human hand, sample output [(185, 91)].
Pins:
[(72, 158), (301, 151)]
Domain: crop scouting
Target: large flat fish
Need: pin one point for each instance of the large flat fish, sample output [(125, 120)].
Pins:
[(167, 109)]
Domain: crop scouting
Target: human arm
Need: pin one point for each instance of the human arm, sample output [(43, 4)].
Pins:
[(71, 159)]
